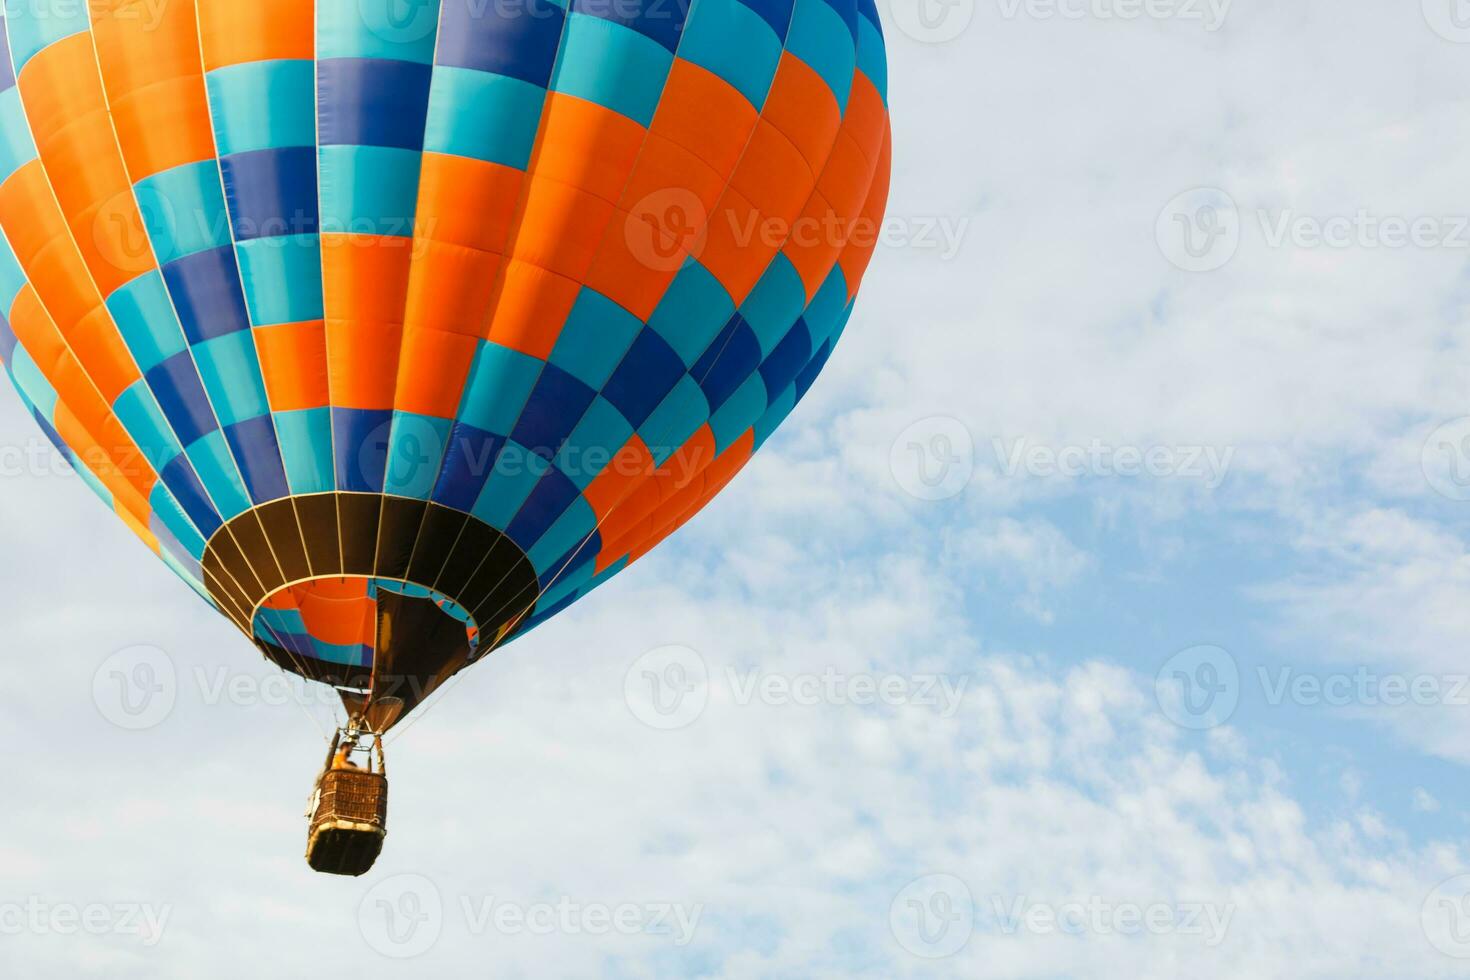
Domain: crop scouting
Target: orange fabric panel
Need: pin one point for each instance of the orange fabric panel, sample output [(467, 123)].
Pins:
[(586, 146), (773, 173), (560, 227), (451, 287), (338, 611), (629, 467), (531, 307), (128, 495), (821, 232), (866, 120), (432, 371), (233, 32), (467, 202), (683, 508), (622, 271), (62, 93), (737, 259), (138, 527), (803, 107), (363, 371), (704, 114), (365, 288), (676, 473), (860, 248), (293, 358), (163, 127)]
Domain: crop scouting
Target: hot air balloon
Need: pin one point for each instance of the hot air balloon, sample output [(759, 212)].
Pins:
[(395, 327)]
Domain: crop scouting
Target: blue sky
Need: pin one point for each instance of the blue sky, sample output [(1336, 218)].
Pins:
[(1291, 335)]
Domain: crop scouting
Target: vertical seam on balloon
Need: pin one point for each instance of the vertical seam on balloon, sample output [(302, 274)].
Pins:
[(316, 122), (403, 317)]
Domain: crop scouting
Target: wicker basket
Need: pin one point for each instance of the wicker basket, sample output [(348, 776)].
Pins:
[(349, 822)]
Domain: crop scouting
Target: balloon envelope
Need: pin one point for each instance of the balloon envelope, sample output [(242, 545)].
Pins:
[(394, 329)]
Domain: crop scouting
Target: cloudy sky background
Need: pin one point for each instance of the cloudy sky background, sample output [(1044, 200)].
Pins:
[(1179, 692)]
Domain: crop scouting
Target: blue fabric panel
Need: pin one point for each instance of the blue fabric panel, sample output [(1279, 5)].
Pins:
[(809, 373), (145, 318), (500, 381), (548, 501), (175, 383), (484, 116), (372, 102), (467, 465), (206, 290), (730, 360), (613, 67), (555, 407), (658, 20), (677, 418), (300, 434), (283, 279), (692, 312), (789, 357), (516, 473), (360, 443), (230, 370), (742, 410), (648, 373), (184, 485), (594, 338), (184, 210), (258, 454), (593, 443), (271, 193), (415, 451), (217, 471), (369, 189), (263, 104), (520, 41)]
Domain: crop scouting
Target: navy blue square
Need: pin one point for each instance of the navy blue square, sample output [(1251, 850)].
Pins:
[(360, 441), (787, 360), (372, 102), (659, 20), (271, 193), (175, 383), (549, 499), (730, 360), (183, 483), (648, 373), (809, 373), (258, 454), (519, 40), (206, 292), (468, 462), (556, 405)]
